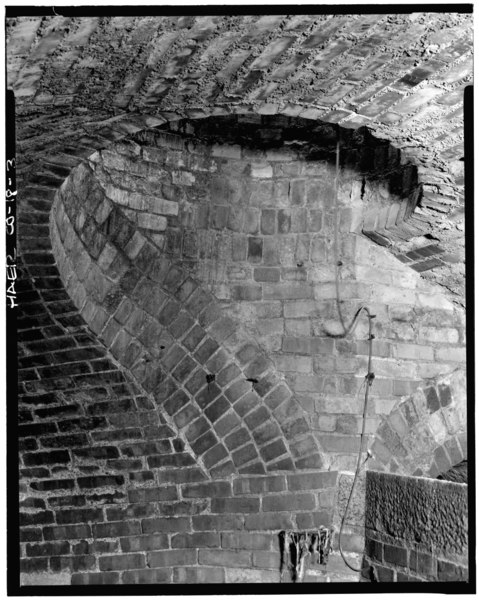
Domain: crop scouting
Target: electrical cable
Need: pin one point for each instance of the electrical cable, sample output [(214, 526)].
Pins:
[(370, 375), (369, 380)]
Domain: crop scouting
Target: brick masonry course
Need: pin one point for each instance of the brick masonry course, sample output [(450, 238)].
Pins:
[(247, 292), (201, 352), (90, 392), (196, 346), (263, 78)]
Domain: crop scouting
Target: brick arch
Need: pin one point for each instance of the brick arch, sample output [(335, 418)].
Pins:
[(165, 305), (385, 225), (366, 83), (119, 128), (426, 434), (139, 356), (49, 153), (106, 395)]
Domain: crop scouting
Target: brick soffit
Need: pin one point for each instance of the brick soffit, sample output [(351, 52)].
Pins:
[(402, 76)]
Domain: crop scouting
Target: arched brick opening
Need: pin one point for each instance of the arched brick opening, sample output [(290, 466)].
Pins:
[(97, 319), (426, 433), (150, 315), (47, 158), (84, 227)]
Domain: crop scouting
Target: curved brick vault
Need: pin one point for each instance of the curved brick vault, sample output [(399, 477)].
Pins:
[(402, 76), (80, 201), (166, 322), (171, 333), (113, 490)]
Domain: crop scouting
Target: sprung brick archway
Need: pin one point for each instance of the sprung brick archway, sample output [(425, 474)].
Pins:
[(112, 491)]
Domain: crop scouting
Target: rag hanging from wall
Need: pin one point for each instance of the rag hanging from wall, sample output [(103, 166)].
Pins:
[(297, 546)]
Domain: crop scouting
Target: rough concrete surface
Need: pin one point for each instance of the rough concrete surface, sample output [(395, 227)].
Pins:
[(432, 514)]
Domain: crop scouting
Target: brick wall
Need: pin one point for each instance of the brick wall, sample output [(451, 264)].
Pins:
[(269, 273), (426, 433), (416, 528), (345, 69), (156, 527), (119, 420)]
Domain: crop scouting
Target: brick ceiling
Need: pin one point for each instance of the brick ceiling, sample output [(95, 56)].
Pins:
[(401, 75)]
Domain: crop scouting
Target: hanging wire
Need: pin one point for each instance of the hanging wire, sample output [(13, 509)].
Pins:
[(345, 331), (368, 380)]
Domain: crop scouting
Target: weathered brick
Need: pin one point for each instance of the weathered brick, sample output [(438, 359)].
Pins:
[(48, 549), (122, 562), (115, 529), (225, 558), (198, 575), (217, 522), (395, 555), (184, 369), (237, 575), (144, 542), (214, 455), (247, 292), (106, 578), (196, 540), (200, 490), (244, 455), (194, 337), (37, 518), (277, 396), (451, 354), (236, 390), (422, 563), (414, 352), (267, 274), (130, 511), (447, 571), (207, 348), (234, 505), (99, 452), (179, 459), (217, 409), (252, 485), (289, 502), (30, 535), (100, 481), (197, 428), (32, 565), (246, 541), (266, 560), (273, 450), (164, 525), (205, 442), (311, 481), (79, 515), (272, 521), (340, 443), (309, 520), (147, 576), (46, 458), (169, 558), (67, 532)]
